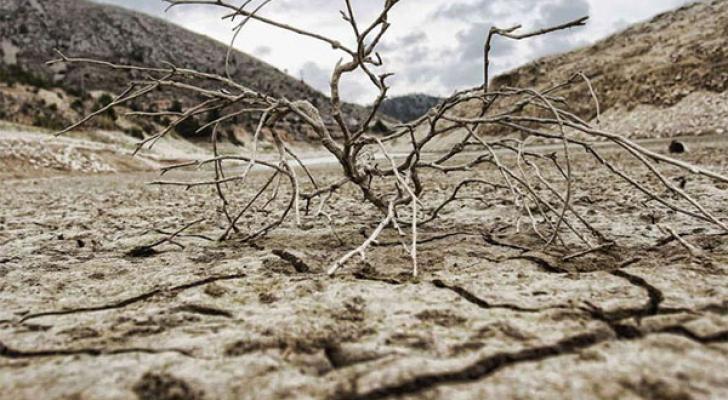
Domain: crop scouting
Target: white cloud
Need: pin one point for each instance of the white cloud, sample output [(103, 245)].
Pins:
[(433, 46)]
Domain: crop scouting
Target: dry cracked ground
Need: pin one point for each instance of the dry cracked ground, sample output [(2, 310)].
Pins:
[(489, 318)]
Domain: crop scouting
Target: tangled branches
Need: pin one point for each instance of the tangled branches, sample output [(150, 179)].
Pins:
[(540, 187)]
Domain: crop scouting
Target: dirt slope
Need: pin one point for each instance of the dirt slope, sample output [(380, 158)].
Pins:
[(27, 152), (35, 94), (664, 77)]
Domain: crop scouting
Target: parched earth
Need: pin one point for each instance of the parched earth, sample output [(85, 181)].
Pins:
[(490, 317)]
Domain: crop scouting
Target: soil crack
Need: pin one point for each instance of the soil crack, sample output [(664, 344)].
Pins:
[(490, 365), (12, 353), (473, 299), (680, 330), (651, 308), (491, 240), (655, 295), (541, 262), (343, 357), (204, 310), (299, 265), (136, 299), (431, 239), (485, 367)]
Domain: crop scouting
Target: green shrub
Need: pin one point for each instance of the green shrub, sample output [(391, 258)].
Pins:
[(48, 121), (188, 128), (77, 105), (104, 101), (135, 132), (15, 74), (176, 106), (76, 92)]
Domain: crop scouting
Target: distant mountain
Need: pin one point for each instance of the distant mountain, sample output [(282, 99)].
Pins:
[(409, 107), (31, 92)]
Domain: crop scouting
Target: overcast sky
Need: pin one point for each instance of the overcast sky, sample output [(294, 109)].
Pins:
[(433, 46)]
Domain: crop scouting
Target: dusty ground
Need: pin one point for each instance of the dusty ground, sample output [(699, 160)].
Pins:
[(79, 319), (27, 152)]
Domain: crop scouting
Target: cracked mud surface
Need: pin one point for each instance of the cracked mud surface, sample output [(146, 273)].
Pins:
[(489, 318)]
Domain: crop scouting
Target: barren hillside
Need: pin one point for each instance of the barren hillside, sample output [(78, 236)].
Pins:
[(664, 77), (35, 94)]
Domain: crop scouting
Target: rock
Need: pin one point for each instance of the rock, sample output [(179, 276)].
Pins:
[(677, 147), (162, 386)]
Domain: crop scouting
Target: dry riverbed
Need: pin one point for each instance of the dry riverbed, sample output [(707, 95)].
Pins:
[(488, 318)]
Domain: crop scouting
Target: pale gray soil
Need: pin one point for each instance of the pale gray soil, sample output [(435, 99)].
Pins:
[(80, 319)]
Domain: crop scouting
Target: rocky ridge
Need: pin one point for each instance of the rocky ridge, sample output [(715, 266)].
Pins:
[(33, 93)]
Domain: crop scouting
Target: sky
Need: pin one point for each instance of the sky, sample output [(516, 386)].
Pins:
[(433, 46)]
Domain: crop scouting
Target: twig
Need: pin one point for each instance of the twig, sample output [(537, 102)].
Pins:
[(148, 250), (694, 252)]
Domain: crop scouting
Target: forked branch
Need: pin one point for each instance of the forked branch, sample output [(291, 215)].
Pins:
[(397, 174)]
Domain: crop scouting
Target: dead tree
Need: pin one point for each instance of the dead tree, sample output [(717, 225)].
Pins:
[(396, 186)]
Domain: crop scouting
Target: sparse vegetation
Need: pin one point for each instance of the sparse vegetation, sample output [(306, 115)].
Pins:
[(48, 121), (540, 189), (77, 105), (14, 74), (103, 102), (135, 133)]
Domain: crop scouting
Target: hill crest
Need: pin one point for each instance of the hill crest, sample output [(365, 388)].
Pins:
[(30, 31)]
